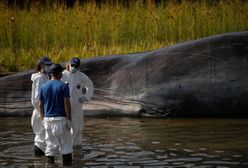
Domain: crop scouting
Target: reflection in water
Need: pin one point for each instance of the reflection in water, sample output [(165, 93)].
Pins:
[(137, 142)]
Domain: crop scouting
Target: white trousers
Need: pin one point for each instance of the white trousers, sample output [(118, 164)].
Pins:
[(38, 130), (77, 125), (58, 138)]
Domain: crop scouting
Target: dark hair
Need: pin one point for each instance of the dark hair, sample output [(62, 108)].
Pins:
[(55, 70), (38, 67), (55, 73)]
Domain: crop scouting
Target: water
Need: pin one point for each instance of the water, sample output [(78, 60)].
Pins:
[(138, 143)]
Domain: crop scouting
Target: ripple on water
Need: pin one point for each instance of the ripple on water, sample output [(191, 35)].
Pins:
[(112, 156), (160, 157), (202, 149), (188, 150), (159, 151), (135, 149), (204, 155), (173, 154), (145, 161), (219, 151), (127, 148), (220, 162), (141, 153), (237, 156), (190, 159), (106, 150), (122, 166), (22, 152), (93, 154), (226, 159), (202, 166), (155, 142), (172, 149), (106, 145)]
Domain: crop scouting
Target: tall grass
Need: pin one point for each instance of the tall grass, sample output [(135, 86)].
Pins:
[(91, 30)]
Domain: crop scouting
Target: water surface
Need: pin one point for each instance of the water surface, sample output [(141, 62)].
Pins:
[(138, 143)]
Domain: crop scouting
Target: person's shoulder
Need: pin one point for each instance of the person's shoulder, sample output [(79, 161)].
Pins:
[(36, 76), (45, 85), (84, 76), (62, 83), (81, 73), (49, 82), (66, 75), (33, 76), (66, 72)]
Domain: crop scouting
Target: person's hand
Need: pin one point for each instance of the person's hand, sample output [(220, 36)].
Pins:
[(44, 123), (82, 99), (68, 125)]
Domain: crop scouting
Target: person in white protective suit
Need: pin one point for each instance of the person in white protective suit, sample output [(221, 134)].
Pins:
[(55, 111), (78, 83), (39, 78)]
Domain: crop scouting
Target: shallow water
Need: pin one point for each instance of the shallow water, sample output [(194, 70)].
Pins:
[(138, 143)]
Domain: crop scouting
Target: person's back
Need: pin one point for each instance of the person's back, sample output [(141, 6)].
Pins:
[(54, 91)]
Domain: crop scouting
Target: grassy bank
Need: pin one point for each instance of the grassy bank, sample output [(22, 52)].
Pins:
[(90, 30)]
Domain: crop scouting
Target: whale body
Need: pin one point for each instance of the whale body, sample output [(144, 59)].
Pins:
[(201, 78)]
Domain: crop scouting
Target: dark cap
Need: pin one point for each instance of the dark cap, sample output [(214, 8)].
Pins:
[(55, 69), (45, 61), (75, 61)]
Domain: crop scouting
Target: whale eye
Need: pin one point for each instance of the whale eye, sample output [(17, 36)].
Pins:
[(78, 86)]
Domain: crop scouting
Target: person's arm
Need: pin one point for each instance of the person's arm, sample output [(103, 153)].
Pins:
[(41, 104), (41, 109), (88, 84), (37, 82), (67, 105)]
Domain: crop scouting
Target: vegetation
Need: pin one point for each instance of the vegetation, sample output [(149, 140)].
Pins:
[(88, 29)]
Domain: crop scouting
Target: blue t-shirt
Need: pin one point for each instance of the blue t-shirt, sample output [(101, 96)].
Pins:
[(53, 93)]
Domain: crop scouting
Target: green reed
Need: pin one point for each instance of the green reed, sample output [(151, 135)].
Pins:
[(90, 30)]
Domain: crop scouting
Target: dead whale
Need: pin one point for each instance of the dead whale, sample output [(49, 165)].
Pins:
[(201, 78)]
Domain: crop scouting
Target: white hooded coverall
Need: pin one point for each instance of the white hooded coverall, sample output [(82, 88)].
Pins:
[(77, 81), (38, 79)]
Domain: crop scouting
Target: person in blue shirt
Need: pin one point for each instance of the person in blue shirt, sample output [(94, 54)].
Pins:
[(55, 112)]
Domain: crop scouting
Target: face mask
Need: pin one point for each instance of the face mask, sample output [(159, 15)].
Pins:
[(73, 69)]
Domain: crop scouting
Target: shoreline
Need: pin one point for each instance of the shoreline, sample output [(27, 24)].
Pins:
[(2, 74)]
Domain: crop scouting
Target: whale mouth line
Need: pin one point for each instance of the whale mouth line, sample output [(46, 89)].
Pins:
[(143, 108)]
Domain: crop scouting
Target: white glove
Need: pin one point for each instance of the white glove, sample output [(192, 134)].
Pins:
[(68, 125), (82, 99)]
